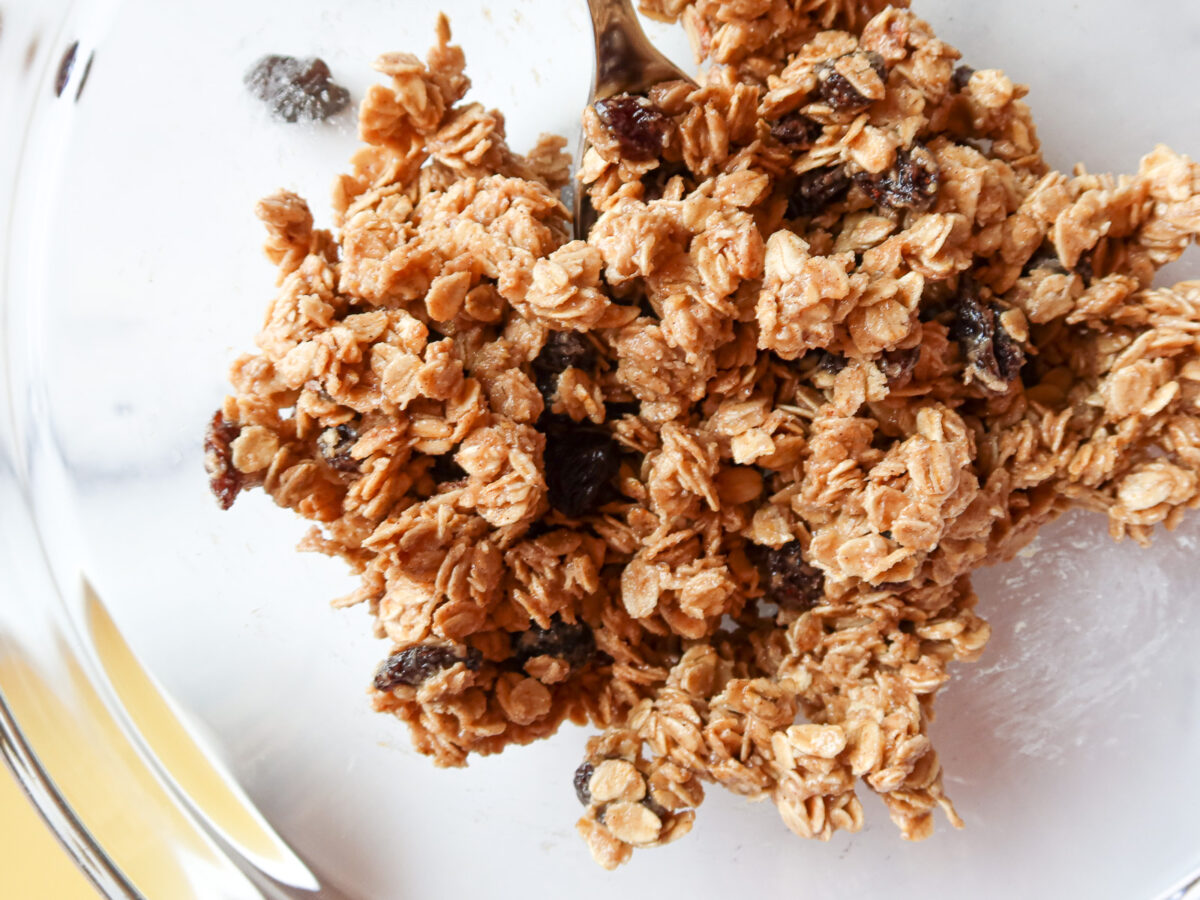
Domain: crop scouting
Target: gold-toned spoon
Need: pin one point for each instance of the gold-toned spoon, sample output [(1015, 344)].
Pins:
[(626, 63)]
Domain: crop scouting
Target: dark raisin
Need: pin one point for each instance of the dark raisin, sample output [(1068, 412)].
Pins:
[(992, 356), (1046, 257), (224, 480), (335, 444), (816, 189), (790, 582), (830, 362), (657, 808), (296, 89), (911, 183), (898, 365), (580, 463), (65, 65), (445, 469), (640, 127), (572, 642), (962, 75), (583, 778), (838, 92), (797, 131), (415, 664), (1085, 268), (563, 350), (1010, 355)]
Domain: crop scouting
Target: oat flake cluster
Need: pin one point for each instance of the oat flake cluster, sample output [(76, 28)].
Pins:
[(715, 479)]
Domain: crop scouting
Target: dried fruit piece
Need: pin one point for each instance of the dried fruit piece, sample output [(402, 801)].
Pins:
[(797, 131), (962, 75), (640, 127), (816, 189), (580, 463), (898, 365), (830, 362), (224, 480), (993, 358), (571, 642), (563, 350), (296, 89), (911, 183), (789, 581), (582, 780), (335, 444), (1046, 257), (415, 664), (838, 92), (657, 808), (1085, 268)]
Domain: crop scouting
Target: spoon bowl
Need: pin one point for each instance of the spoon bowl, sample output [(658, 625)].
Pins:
[(626, 63)]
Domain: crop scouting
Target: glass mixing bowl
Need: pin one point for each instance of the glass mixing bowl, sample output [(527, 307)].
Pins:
[(179, 698)]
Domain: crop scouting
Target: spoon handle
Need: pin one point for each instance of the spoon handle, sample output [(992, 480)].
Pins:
[(626, 61)]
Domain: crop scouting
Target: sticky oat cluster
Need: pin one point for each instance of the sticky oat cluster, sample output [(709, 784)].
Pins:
[(714, 480)]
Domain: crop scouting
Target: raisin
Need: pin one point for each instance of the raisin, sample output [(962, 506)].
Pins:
[(335, 444), (1085, 268), (992, 356), (580, 462), (224, 480), (655, 807), (65, 65), (911, 183), (296, 89), (790, 582), (830, 362), (1046, 257), (838, 92), (797, 131), (640, 127), (583, 778), (816, 189), (563, 350), (898, 365), (572, 642), (415, 664), (960, 78), (445, 469)]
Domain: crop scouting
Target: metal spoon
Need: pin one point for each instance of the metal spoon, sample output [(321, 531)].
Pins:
[(626, 63)]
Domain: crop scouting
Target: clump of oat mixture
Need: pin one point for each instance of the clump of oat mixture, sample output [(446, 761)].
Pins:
[(714, 480)]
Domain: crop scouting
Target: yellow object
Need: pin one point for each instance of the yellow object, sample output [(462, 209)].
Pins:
[(33, 865), (134, 810)]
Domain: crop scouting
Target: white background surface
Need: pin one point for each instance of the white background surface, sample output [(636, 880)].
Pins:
[(1071, 750)]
